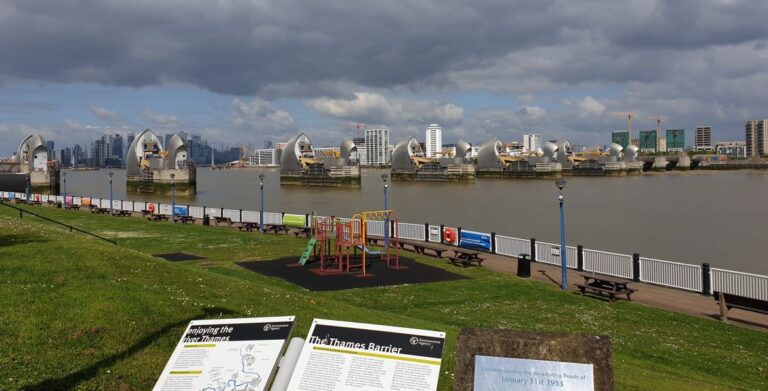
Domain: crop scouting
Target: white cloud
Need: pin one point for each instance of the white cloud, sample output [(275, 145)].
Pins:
[(105, 115), (161, 120)]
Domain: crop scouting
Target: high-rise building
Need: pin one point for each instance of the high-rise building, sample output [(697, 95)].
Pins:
[(648, 141), (434, 140), (360, 144), (732, 149), (675, 140), (531, 142), (703, 138), (51, 152), (264, 157), (620, 137), (757, 142), (376, 146), (78, 157), (117, 147)]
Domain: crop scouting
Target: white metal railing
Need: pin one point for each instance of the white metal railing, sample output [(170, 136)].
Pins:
[(127, 205), (196, 212), (410, 231), (550, 253), (139, 206), (507, 245), (673, 274), (273, 218), (250, 216), (232, 214), (604, 262), (739, 283), (375, 228), (213, 212)]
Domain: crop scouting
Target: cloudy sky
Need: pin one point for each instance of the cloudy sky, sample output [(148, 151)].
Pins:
[(251, 70)]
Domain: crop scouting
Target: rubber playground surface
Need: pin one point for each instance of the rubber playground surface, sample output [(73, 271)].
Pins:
[(378, 274)]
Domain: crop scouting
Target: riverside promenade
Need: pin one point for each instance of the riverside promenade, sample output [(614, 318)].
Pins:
[(648, 294)]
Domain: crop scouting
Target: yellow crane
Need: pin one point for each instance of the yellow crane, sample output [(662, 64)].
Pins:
[(658, 129)]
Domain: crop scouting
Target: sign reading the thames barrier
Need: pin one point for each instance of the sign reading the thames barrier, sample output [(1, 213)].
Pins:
[(227, 354), (503, 373), (344, 355)]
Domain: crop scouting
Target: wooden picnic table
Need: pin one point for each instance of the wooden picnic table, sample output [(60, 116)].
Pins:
[(276, 228), (222, 220), (464, 257), (612, 286), (101, 211), (184, 219), (35, 202), (249, 227), (72, 207), (157, 217), (302, 231), (121, 213)]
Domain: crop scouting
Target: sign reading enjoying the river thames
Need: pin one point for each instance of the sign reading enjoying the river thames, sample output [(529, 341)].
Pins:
[(227, 354), (345, 355), (503, 373)]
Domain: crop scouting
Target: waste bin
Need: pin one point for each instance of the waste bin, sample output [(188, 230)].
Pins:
[(206, 220), (523, 266)]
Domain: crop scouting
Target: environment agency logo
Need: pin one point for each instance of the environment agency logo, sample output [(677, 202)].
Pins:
[(414, 340), (274, 327), (419, 341)]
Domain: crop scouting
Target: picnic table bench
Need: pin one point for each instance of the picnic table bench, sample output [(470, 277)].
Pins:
[(35, 202), (276, 228), (249, 226), (101, 211), (184, 219), (302, 231), (728, 301), (158, 217), (222, 220), (610, 286), (464, 257), (72, 207), (121, 213), (145, 212)]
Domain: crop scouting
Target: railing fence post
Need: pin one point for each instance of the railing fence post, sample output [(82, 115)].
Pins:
[(580, 258), (636, 267), (493, 242), (426, 232), (392, 229), (442, 237), (706, 274), (533, 249), (458, 236)]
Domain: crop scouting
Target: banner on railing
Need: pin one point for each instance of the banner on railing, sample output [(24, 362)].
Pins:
[(294, 220), (475, 240), (180, 210)]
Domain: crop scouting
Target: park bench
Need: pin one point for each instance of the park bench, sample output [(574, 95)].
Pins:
[(609, 286), (466, 258), (728, 301)]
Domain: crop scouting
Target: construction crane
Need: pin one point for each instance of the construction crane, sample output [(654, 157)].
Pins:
[(357, 126), (629, 117), (658, 130)]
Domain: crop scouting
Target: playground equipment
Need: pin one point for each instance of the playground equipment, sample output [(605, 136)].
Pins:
[(335, 242)]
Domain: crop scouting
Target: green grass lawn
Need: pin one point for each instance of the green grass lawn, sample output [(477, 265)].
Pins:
[(78, 312)]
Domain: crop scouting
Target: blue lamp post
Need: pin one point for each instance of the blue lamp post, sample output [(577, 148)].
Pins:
[(110, 191), (386, 214), (173, 198), (261, 201), (28, 187), (64, 179), (563, 251)]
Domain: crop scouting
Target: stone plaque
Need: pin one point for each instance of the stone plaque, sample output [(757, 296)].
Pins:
[(553, 347)]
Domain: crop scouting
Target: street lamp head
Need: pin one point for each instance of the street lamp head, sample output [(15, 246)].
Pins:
[(173, 176), (560, 183), (384, 177), (261, 177)]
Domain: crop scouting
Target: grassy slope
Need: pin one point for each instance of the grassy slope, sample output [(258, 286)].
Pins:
[(86, 313)]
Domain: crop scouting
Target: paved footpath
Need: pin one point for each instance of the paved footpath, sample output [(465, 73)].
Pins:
[(648, 294)]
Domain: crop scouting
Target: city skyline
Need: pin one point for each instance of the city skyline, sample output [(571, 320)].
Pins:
[(549, 68)]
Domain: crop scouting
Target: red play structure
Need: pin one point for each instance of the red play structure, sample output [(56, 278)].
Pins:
[(337, 243)]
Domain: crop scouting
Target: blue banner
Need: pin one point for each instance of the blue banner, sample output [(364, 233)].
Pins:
[(180, 210), (475, 240)]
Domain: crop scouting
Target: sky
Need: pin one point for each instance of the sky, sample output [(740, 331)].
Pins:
[(247, 71)]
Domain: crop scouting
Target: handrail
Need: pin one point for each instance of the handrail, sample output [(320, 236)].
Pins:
[(71, 228)]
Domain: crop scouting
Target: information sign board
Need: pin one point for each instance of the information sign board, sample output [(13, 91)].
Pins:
[(227, 354), (344, 355), (476, 240), (294, 220)]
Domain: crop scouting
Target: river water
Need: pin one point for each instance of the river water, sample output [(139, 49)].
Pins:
[(694, 217)]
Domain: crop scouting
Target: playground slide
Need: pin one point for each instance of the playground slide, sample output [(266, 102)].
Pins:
[(370, 252), (307, 251)]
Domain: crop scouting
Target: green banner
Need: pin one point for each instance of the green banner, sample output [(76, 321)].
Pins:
[(294, 220)]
